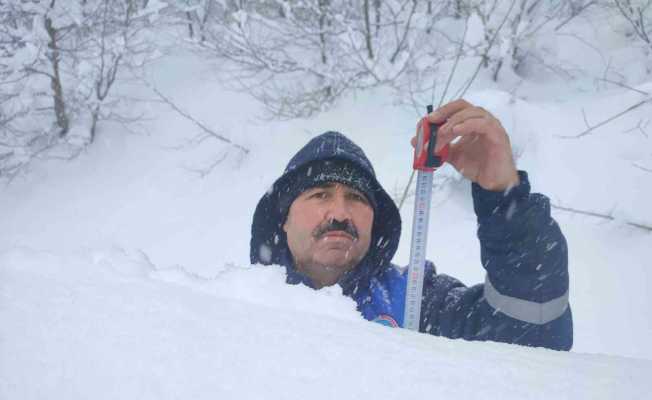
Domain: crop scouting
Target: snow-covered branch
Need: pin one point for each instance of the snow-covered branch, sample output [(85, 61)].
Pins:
[(59, 62), (639, 15)]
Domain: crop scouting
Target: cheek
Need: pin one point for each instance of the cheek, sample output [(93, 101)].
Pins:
[(301, 222), (365, 221)]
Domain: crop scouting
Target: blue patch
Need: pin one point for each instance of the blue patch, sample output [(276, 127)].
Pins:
[(386, 320)]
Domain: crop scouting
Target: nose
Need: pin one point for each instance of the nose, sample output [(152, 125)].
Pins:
[(338, 208)]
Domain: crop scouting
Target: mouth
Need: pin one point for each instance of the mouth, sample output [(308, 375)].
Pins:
[(335, 235)]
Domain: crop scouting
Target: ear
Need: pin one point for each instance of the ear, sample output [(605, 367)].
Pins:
[(285, 224)]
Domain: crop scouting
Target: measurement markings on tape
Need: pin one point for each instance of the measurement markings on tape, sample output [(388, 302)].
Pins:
[(425, 163)]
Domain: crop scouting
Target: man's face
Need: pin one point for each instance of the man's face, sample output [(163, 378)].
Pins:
[(328, 231)]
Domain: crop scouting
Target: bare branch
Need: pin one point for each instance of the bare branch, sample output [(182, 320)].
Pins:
[(641, 167), (575, 14), (586, 121), (406, 29), (640, 127), (441, 101), (203, 127), (606, 121), (622, 85), (205, 171), (636, 18), (486, 52), (457, 59), (608, 217)]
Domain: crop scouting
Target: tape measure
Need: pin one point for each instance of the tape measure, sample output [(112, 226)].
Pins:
[(425, 163)]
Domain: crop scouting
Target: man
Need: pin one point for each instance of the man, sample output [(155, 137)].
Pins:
[(329, 221)]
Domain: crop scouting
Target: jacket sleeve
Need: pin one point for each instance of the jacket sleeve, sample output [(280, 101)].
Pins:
[(524, 299)]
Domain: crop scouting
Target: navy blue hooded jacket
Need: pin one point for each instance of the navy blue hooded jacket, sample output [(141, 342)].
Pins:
[(524, 298)]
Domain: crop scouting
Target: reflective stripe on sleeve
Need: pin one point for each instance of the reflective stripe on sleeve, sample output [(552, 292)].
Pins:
[(524, 310)]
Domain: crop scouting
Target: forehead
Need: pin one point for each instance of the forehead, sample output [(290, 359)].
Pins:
[(333, 186)]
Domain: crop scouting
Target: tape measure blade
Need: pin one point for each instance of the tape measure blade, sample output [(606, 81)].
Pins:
[(416, 269)]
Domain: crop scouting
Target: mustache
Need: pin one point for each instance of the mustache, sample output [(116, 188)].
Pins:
[(334, 226)]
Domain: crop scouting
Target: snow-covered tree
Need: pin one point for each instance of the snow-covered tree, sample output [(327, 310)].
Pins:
[(299, 56), (59, 61), (511, 27)]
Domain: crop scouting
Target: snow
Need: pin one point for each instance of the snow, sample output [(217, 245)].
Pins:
[(84, 329), (124, 274)]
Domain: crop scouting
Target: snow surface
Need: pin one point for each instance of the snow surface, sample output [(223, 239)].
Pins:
[(124, 274), (109, 325)]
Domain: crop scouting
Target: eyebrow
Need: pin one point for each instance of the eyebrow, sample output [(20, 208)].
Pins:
[(330, 185), (325, 185)]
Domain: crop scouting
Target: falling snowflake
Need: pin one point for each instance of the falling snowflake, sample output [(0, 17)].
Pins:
[(265, 253)]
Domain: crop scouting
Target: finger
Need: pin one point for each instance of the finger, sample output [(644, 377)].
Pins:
[(456, 150), (440, 115), (488, 127), (448, 135), (413, 141), (461, 116), (480, 126)]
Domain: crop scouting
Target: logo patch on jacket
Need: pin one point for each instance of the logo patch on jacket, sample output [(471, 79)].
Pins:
[(386, 320)]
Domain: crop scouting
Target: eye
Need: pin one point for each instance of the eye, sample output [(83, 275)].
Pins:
[(358, 197), (320, 194)]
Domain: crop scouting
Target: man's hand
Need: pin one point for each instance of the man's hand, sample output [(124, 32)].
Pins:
[(483, 153)]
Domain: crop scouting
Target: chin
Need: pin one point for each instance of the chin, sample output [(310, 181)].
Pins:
[(340, 262)]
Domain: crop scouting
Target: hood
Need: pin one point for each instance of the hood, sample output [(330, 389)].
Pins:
[(268, 240)]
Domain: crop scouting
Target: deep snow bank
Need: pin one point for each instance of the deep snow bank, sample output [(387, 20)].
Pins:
[(112, 325)]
